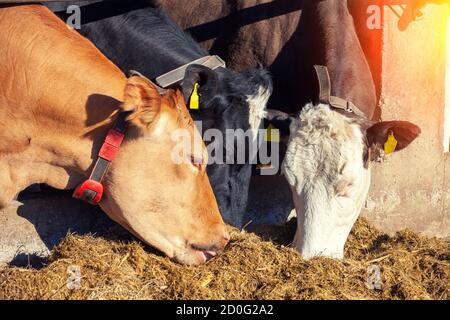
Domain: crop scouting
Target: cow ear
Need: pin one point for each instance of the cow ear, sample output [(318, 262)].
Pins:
[(143, 100), (401, 132), (207, 82)]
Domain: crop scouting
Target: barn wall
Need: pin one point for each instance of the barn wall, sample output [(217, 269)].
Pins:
[(412, 187)]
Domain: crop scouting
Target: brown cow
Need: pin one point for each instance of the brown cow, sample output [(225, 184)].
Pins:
[(59, 97)]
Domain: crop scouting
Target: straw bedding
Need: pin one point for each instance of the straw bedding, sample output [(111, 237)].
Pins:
[(411, 267)]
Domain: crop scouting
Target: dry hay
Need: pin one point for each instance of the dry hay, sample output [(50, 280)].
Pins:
[(412, 267)]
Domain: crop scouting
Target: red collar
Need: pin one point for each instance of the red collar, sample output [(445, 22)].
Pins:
[(91, 190)]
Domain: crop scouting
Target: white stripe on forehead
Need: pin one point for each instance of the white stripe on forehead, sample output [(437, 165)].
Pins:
[(257, 108)]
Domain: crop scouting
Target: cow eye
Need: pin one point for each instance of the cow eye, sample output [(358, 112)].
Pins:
[(196, 161)]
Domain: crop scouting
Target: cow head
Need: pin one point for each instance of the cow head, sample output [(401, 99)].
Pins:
[(168, 205), (327, 167), (230, 100)]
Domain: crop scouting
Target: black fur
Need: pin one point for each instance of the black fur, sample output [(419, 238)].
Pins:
[(136, 35)]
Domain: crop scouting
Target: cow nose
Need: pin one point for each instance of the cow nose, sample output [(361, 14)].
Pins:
[(219, 243), (223, 236), (225, 240)]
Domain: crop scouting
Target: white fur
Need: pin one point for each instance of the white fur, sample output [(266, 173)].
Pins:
[(325, 168), (257, 105)]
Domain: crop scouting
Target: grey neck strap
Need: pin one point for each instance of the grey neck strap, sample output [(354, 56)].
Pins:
[(176, 76), (132, 73), (326, 97)]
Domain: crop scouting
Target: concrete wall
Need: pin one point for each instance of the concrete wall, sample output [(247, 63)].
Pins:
[(412, 188)]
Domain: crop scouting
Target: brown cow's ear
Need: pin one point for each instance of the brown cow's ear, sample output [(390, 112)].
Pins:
[(404, 133), (142, 98)]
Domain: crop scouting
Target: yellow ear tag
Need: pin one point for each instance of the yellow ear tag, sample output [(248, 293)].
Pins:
[(271, 134), (194, 102), (390, 144)]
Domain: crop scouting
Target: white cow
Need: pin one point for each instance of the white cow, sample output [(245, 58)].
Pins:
[(327, 167)]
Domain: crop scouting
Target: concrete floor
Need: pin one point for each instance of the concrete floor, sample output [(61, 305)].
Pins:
[(31, 227)]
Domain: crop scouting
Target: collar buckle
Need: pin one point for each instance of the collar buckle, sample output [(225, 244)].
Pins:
[(90, 191)]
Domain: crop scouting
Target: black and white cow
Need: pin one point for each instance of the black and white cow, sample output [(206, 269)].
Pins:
[(137, 36), (327, 158)]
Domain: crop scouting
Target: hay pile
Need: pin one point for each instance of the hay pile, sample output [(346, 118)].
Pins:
[(412, 267)]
